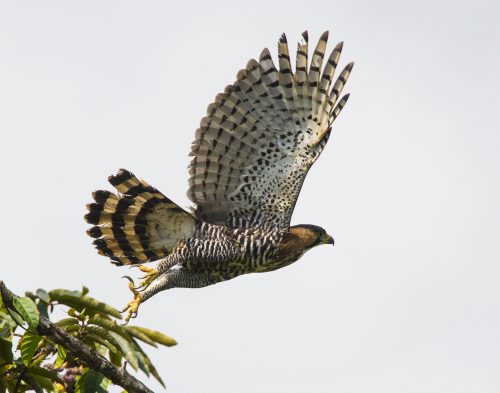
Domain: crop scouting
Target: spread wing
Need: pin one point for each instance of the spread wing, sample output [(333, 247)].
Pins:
[(254, 148)]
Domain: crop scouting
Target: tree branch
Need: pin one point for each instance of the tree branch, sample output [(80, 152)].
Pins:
[(119, 376)]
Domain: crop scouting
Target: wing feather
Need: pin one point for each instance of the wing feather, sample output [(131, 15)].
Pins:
[(260, 137)]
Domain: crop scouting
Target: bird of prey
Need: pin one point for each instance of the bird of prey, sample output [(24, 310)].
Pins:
[(250, 157)]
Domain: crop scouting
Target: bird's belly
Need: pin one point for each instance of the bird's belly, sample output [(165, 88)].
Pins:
[(225, 260), (229, 269), (274, 264), (226, 270)]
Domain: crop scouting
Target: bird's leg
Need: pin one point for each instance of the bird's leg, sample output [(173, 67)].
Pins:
[(165, 281), (171, 260), (143, 291), (162, 282), (150, 275), (133, 306), (176, 277)]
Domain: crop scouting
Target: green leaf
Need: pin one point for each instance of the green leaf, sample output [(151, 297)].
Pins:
[(67, 322), (28, 345), (43, 372), (18, 319), (83, 315), (91, 339), (43, 295), (85, 290), (72, 328), (6, 350), (46, 384), (133, 331), (30, 294), (32, 382), (116, 358), (40, 356), (109, 325), (27, 308), (157, 336), (84, 302), (6, 317), (61, 356), (5, 330), (57, 293), (105, 383), (140, 354), (61, 351), (43, 309), (129, 351), (150, 367), (102, 333), (11, 385), (153, 371), (90, 382)]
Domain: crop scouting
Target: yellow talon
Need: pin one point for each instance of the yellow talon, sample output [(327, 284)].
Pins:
[(133, 306), (149, 277)]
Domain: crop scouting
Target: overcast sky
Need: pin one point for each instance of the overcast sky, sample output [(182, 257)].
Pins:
[(408, 300)]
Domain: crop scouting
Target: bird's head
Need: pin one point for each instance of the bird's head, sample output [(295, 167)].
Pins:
[(310, 236)]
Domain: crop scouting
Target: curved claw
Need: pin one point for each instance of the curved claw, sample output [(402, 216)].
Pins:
[(129, 279), (131, 285), (132, 307)]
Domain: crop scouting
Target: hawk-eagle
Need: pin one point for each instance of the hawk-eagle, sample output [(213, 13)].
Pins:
[(250, 157)]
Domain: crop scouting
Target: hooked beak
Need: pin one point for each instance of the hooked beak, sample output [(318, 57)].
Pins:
[(329, 240)]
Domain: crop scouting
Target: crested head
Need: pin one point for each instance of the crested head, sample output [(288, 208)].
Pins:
[(310, 236)]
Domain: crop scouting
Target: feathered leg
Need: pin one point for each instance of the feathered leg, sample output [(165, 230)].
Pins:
[(152, 273), (176, 277)]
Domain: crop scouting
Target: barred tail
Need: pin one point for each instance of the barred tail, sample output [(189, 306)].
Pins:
[(139, 224)]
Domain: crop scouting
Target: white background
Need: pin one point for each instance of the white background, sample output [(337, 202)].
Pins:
[(408, 300)]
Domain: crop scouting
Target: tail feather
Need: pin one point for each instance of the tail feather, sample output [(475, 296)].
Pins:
[(138, 225)]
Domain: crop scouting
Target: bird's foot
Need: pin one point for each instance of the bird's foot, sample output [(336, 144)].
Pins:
[(133, 306), (150, 275)]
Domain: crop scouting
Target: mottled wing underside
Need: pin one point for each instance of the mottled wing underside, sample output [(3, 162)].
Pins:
[(260, 137), (139, 224)]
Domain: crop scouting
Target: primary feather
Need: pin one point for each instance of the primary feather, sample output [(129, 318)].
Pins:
[(260, 137)]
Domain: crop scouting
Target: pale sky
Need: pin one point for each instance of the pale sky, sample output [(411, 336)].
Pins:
[(408, 300)]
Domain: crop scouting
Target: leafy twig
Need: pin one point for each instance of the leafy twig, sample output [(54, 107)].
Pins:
[(119, 376)]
